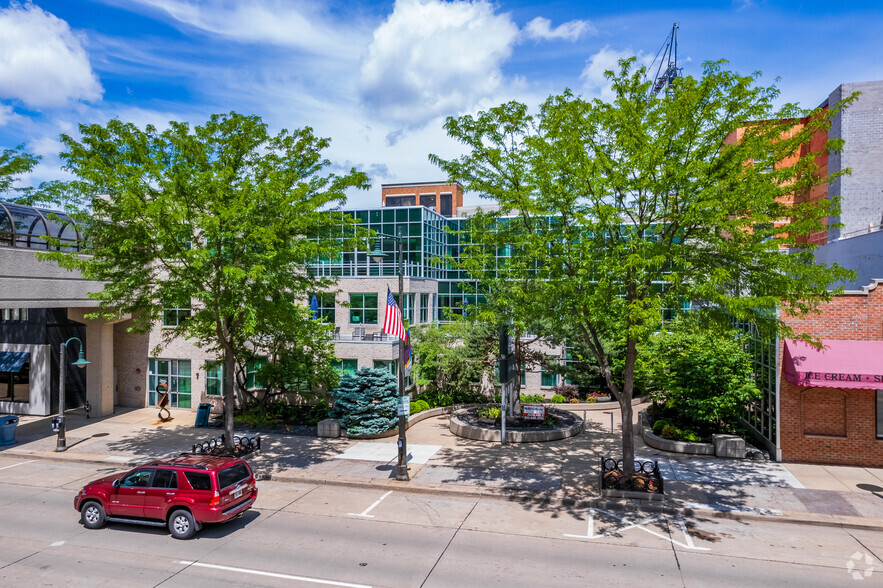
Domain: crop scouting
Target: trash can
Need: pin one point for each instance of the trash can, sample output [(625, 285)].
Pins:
[(7, 429), (202, 413)]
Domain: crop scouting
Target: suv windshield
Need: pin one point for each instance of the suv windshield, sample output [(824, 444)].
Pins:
[(232, 475)]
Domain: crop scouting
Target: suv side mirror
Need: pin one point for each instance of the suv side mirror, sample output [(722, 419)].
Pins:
[(116, 483)]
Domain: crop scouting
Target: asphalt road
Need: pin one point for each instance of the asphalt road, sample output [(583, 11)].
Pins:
[(309, 535)]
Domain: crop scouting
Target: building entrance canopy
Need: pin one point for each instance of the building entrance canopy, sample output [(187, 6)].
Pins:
[(840, 364)]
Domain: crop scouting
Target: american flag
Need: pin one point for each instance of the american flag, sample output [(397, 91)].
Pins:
[(392, 322)]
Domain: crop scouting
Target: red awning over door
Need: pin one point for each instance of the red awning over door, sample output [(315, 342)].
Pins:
[(840, 364)]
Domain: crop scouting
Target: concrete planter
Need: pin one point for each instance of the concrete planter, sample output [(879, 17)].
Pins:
[(670, 445), (463, 429)]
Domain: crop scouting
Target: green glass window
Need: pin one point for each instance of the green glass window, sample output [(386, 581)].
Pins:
[(548, 379), (346, 366), (252, 373), (363, 309), (172, 317), (326, 305), (388, 365), (214, 378), (424, 308), (175, 373)]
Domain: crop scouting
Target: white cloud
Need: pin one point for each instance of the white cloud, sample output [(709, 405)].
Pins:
[(277, 22), (433, 58), (541, 28), (42, 62), (607, 59)]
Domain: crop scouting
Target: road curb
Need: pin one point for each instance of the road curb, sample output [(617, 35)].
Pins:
[(669, 505)]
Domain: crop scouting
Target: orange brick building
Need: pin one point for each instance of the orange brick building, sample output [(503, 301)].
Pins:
[(834, 414), (443, 198)]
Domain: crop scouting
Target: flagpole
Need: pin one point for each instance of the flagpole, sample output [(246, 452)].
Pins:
[(402, 468)]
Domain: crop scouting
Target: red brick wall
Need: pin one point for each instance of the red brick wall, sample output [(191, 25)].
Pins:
[(834, 425), (456, 191)]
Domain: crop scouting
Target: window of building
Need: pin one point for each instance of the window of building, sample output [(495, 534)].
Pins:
[(409, 306), (427, 201), (175, 373), (446, 204), (326, 306), (214, 378), (172, 317), (363, 309), (403, 200), (253, 369), (15, 314), (548, 379), (879, 414), (15, 376), (387, 365), (346, 366), (424, 308)]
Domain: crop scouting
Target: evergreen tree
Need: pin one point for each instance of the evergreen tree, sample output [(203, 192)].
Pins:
[(365, 402)]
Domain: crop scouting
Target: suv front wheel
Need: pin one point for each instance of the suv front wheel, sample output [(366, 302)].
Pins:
[(93, 515), (182, 525)]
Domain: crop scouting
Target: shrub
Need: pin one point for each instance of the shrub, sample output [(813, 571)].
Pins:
[(658, 424), (532, 399), (569, 391), (365, 402), (419, 406), (490, 412), (574, 400), (669, 432), (558, 399)]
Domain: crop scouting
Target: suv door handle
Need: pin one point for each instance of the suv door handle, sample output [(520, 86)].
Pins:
[(170, 493), (141, 492)]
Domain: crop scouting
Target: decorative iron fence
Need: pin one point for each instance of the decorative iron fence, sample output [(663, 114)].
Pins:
[(645, 479), (242, 445)]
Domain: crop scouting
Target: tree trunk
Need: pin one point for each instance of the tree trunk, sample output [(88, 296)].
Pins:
[(229, 398), (625, 406)]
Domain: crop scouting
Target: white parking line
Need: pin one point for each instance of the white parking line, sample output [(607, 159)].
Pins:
[(271, 574), (18, 464), (365, 512), (639, 525)]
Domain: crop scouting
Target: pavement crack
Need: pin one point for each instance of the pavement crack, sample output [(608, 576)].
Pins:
[(442, 554), (869, 550), (675, 553)]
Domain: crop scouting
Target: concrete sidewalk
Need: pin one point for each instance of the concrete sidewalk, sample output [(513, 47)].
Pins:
[(560, 472)]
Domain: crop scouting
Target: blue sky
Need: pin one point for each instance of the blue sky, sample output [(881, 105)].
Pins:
[(378, 78)]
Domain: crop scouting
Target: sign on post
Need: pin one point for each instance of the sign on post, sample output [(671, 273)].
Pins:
[(533, 412), (404, 406)]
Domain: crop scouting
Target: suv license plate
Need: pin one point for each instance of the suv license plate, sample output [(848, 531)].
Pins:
[(237, 494)]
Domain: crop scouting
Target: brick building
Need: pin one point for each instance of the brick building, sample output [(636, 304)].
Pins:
[(831, 401)]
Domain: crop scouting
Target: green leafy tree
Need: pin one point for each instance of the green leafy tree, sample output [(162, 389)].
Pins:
[(365, 402), (618, 210), (14, 163), (702, 375), (452, 358), (223, 217)]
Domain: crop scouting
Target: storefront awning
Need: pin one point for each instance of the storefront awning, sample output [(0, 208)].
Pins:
[(12, 361), (840, 364)]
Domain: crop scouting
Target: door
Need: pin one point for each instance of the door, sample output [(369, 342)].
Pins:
[(163, 489), (128, 500)]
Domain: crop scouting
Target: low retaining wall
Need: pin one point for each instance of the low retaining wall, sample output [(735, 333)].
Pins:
[(468, 431), (412, 420), (670, 445)]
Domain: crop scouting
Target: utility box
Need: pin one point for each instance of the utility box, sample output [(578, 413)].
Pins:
[(328, 428), (202, 414), (7, 429)]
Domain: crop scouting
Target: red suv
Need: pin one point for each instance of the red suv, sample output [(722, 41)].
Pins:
[(182, 493)]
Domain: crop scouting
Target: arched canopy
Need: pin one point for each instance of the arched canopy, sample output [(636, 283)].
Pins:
[(22, 226)]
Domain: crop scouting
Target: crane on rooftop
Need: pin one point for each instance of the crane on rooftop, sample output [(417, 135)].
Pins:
[(667, 56)]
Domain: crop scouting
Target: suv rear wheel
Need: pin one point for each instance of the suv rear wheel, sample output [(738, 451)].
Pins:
[(182, 525), (92, 515)]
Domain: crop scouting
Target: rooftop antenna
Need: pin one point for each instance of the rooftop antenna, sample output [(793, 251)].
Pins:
[(668, 57)]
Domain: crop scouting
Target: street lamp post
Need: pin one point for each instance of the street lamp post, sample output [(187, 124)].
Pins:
[(378, 256), (61, 444)]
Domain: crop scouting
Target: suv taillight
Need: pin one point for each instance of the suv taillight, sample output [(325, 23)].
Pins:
[(215, 501)]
